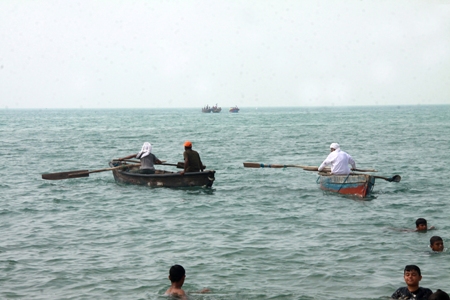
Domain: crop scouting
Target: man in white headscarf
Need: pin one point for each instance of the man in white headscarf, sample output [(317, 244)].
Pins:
[(339, 161), (147, 158)]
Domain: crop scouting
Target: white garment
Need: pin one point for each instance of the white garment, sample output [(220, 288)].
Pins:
[(145, 151), (335, 146), (339, 161)]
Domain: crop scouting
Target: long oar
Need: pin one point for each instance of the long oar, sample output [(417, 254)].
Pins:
[(79, 173), (132, 160), (179, 165), (395, 178), (258, 165), (306, 168)]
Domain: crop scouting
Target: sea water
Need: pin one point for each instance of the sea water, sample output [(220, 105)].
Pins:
[(257, 234)]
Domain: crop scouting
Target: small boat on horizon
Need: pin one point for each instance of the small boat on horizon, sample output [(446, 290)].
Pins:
[(216, 109), (213, 109), (234, 109), (206, 109)]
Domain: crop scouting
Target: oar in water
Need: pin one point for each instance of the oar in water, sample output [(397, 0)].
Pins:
[(80, 173), (306, 168), (395, 178)]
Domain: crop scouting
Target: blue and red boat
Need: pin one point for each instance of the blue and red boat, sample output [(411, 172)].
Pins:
[(360, 185), (353, 184)]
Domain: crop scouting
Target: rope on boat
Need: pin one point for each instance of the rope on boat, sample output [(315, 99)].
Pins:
[(343, 183)]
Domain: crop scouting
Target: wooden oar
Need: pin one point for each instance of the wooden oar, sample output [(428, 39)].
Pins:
[(133, 160), (80, 173), (395, 178), (306, 168), (258, 165), (179, 165)]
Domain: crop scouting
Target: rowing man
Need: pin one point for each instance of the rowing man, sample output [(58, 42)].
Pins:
[(147, 158), (339, 161)]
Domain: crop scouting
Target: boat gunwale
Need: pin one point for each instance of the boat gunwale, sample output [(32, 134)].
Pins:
[(168, 174)]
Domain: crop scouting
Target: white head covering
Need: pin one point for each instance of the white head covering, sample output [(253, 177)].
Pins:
[(146, 150), (335, 146)]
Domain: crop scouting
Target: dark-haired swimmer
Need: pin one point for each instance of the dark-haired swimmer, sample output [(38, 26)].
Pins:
[(422, 226), (436, 244), (177, 274), (439, 295), (412, 276)]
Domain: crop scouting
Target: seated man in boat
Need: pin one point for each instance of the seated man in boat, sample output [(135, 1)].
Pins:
[(148, 160), (192, 161), (339, 161)]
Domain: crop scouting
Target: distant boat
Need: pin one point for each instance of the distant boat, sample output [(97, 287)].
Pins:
[(207, 109), (234, 109), (216, 109)]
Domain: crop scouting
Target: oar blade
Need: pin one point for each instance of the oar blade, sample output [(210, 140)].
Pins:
[(396, 178), (66, 175), (252, 165)]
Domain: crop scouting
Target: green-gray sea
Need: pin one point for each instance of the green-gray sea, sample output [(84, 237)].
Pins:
[(257, 234)]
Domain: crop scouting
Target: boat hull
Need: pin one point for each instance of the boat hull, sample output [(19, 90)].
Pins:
[(360, 185), (163, 178)]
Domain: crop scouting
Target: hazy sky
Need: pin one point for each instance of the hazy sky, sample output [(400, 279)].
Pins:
[(151, 54)]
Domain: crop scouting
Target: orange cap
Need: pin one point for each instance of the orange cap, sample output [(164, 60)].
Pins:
[(187, 144)]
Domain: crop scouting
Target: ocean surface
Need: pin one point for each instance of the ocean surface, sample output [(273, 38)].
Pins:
[(257, 234)]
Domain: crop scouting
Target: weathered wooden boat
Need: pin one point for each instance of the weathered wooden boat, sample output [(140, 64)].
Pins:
[(360, 185), (161, 178), (234, 109), (206, 109), (216, 109)]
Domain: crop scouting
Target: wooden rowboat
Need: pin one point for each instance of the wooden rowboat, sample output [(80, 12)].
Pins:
[(359, 185), (162, 178)]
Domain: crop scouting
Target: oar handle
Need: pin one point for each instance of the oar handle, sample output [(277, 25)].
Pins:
[(127, 160), (114, 168), (261, 165), (306, 168)]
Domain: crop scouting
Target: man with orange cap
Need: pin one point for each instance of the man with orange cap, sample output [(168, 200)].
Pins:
[(192, 161)]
